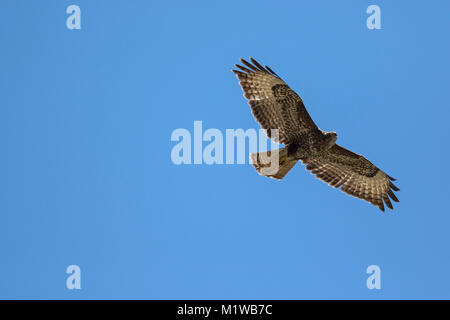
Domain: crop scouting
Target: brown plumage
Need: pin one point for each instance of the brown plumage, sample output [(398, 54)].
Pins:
[(276, 106)]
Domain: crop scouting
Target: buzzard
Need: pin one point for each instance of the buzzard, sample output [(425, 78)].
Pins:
[(276, 106)]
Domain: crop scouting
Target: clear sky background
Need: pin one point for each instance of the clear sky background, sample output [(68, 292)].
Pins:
[(87, 179)]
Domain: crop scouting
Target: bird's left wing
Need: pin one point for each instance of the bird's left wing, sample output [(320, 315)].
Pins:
[(356, 176)]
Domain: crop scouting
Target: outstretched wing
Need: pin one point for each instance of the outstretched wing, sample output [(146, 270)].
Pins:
[(274, 105), (356, 176)]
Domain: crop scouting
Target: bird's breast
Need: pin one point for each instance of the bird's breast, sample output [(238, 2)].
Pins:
[(307, 149)]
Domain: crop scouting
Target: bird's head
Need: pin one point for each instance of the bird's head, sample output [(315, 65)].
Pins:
[(331, 138)]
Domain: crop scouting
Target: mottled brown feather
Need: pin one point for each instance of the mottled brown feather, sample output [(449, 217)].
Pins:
[(274, 105), (356, 176)]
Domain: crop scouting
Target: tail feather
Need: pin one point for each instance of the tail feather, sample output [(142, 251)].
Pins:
[(273, 164)]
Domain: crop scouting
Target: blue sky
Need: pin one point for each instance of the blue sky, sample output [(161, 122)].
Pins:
[(87, 179)]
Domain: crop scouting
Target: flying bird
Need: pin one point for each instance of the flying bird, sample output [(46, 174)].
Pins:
[(276, 106)]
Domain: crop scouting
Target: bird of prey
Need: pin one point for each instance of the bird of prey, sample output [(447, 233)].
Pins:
[(276, 106)]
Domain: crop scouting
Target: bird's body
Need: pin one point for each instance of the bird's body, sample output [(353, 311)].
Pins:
[(311, 145), (277, 107)]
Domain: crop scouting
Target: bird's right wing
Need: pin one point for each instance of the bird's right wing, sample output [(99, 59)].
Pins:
[(274, 104)]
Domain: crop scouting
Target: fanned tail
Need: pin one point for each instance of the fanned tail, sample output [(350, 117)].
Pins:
[(273, 164)]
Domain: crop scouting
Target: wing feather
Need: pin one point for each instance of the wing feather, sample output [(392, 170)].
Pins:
[(242, 68), (356, 176), (274, 105)]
